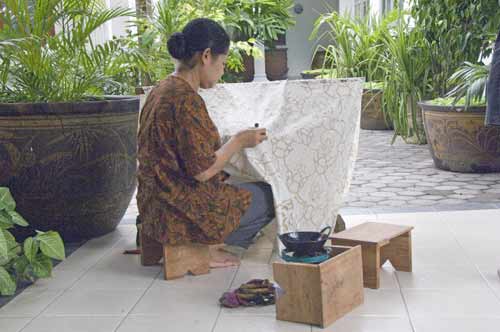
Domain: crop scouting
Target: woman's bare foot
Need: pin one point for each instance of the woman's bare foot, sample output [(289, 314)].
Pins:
[(220, 258)]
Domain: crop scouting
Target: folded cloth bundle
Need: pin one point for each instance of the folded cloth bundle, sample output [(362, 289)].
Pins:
[(255, 292)]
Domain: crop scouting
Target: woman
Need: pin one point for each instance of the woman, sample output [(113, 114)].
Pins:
[(182, 197)]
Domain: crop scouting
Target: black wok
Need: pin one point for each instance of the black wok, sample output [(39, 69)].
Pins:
[(305, 243)]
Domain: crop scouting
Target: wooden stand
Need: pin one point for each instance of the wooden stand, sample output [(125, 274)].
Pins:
[(380, 242), (177, 260), (320, 293)]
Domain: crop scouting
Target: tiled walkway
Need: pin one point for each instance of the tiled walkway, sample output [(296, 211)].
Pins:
[(454, 287), (402, 176)]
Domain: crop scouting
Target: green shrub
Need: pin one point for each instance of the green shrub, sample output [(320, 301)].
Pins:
[(27, 261)]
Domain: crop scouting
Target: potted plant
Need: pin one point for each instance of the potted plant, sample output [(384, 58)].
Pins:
[(455, 127), (357, 51), (266, 21), (373, 116), (68, 152), (22, 263)]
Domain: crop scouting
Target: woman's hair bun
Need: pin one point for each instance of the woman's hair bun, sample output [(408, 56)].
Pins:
[(177, 46)]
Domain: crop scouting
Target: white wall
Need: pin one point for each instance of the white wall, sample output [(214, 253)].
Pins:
[(300, 48)]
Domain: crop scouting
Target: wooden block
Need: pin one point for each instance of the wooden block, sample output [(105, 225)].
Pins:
[(380, 243), (372, 233), (339, 224), (179, 260), (371, 266), (320, 294), (399, 252), (151, 250)]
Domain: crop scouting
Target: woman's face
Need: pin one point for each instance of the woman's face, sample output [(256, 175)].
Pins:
[(211, 69)]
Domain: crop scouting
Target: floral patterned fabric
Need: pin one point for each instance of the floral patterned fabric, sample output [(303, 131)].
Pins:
[(177, 140), (313, 128)]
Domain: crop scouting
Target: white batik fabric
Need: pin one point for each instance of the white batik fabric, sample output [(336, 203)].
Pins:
[(313, 130)]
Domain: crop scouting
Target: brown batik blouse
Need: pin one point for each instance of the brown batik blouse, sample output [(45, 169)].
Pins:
[(177, 140)]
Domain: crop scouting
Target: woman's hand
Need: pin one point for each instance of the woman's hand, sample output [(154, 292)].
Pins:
[(250, 138)]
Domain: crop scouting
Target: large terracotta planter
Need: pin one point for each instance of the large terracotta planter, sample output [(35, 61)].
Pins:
[(248, 73), (277, 63), (372, 115), (459, 140), (71, 167)]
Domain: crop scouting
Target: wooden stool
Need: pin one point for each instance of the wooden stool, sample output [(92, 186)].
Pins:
[(177, 260), (380, 242)]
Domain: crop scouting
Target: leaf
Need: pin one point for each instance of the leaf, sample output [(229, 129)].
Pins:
[(7, 284), (5, 220), (42, 266), (20, 265), (18, 219), (30, 249), (4, 249), (51, 245), (6, 200)]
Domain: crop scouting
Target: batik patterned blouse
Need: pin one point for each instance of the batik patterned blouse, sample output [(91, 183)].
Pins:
[(177, 140)]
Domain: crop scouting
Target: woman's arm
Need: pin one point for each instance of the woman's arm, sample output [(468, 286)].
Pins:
[(244, 139)]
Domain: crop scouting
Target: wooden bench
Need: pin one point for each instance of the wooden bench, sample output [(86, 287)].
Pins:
[(177, 260), (380, 242)]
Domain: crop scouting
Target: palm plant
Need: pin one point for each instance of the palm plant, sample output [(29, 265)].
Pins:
[(48, 54), (469, 83)]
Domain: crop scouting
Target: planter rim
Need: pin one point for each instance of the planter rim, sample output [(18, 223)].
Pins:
[(427, 106), (373, 90), (71, 107)]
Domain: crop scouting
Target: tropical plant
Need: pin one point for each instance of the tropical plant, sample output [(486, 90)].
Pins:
[(170, 16), (30, 260), (469, 83), (407, 78), (356, 46), (456, 31), (264, 20), (48, 54)]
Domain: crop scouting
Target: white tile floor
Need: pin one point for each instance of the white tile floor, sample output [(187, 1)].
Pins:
[(454, 287)]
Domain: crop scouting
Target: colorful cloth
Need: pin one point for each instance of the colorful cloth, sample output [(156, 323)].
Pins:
[(255, 292), (177, 140)]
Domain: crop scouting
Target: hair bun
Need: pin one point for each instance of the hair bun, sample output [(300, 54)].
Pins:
[(177, 46)]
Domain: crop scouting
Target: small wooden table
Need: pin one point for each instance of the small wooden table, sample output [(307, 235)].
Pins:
[(380, 242)]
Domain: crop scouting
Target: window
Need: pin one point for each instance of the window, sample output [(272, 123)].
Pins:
[(388, 5), (361, 8)]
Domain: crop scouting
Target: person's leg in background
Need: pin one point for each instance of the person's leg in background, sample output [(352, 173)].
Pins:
[(259, 214)]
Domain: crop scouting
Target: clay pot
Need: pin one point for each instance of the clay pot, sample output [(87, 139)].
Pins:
[(458, 139), (71, 166)]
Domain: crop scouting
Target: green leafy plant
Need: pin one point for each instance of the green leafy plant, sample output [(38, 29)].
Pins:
[(264, 20), (456, 31), (407, 78), (356, 46), (48, 54), (170, 16), (27, 261), (469, 83), (449, 101)]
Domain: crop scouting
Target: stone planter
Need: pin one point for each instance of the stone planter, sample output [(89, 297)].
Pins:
[(277, 63), (459, 140), (372, 115), (249, 73), (71, 167)]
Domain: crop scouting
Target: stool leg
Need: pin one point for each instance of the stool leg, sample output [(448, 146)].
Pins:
[(179, 260), (371, 264), (400, 252), (151, 250)]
